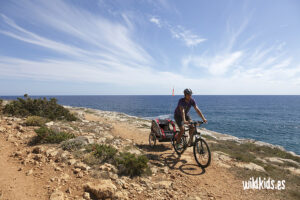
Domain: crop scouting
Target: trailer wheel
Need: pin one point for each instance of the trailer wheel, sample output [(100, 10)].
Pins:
[(152, 140)]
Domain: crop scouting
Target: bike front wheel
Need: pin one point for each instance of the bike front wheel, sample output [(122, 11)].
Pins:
[(202, 153)]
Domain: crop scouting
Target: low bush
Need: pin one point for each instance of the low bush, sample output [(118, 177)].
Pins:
[(132, 165), (72, 144), (106, 153), (38, 107), (35, 121), (46, 135), (128, 164)]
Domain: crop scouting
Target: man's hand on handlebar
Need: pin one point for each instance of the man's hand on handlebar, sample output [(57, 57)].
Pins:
[(186, 122)]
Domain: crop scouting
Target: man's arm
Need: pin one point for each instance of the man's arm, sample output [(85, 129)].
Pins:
[(200, 113)]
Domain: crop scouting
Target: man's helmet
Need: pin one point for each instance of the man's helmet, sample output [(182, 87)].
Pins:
[(188, 91)]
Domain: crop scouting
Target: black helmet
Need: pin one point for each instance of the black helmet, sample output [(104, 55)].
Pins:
[(188, 91)]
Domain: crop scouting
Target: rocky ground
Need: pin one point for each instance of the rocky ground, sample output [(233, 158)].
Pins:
[(48, 171)]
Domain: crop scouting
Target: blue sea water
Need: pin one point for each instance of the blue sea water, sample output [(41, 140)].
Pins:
[(273, 119)]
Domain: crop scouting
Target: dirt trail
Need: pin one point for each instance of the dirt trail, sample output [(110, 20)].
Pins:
[(214, 182), (14, 184)]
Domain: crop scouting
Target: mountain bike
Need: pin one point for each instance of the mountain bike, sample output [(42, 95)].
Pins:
[(200, 147)]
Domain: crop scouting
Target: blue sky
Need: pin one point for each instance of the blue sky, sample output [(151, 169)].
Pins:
[(148, 47)]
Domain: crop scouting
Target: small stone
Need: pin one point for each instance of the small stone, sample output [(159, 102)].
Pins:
[(82, 166), (80, 175), (68, 191), (50, 123), (57, 195), (76, 170), (71, 162), (28, 173), (38, 150), (58, 169), (2, 129), (86, 196)]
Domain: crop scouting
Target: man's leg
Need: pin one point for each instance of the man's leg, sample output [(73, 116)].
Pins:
[(191, 131), (181, 128)]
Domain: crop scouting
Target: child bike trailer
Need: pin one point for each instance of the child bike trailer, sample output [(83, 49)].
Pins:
[(162, 130)]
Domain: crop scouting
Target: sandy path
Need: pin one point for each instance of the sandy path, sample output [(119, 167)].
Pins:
[(213, 183), (14, 184)]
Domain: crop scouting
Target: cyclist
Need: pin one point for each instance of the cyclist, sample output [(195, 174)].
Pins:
[(181, 114)]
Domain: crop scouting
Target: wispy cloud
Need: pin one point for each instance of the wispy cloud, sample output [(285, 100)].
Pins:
[(266, 62), (217, 65), (189, 38)]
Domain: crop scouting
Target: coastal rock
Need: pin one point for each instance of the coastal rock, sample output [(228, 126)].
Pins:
[(250, 166), (294, 170), (108, 167), (163, 185), (49, 124), (103, 190), (84, 140), (82, 166)]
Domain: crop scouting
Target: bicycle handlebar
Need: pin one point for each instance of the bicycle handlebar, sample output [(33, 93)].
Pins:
[(196, 123)]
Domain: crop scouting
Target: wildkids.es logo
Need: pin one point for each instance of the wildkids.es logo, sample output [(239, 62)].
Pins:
[(260, 184)]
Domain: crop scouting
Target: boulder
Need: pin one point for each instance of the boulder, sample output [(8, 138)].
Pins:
[(105, 189)]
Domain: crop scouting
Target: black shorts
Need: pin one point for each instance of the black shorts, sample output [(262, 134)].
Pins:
[(179, 120)]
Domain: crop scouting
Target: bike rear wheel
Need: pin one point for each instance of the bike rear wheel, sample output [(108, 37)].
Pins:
[(202, 153), (152, 140)]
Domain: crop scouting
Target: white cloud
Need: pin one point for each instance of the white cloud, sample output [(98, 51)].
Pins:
[(217, 65), (155, 21), (190, 39)]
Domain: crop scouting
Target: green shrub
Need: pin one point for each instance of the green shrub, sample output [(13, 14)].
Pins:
[(46, 135), (71, 145), (38, 107), (128, 164), (106, 153), (35, 121), (131, 165)]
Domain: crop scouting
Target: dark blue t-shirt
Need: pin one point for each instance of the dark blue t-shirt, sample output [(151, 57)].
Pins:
[(185, 105)]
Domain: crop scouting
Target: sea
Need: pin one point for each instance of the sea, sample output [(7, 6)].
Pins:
[(273, 119)]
